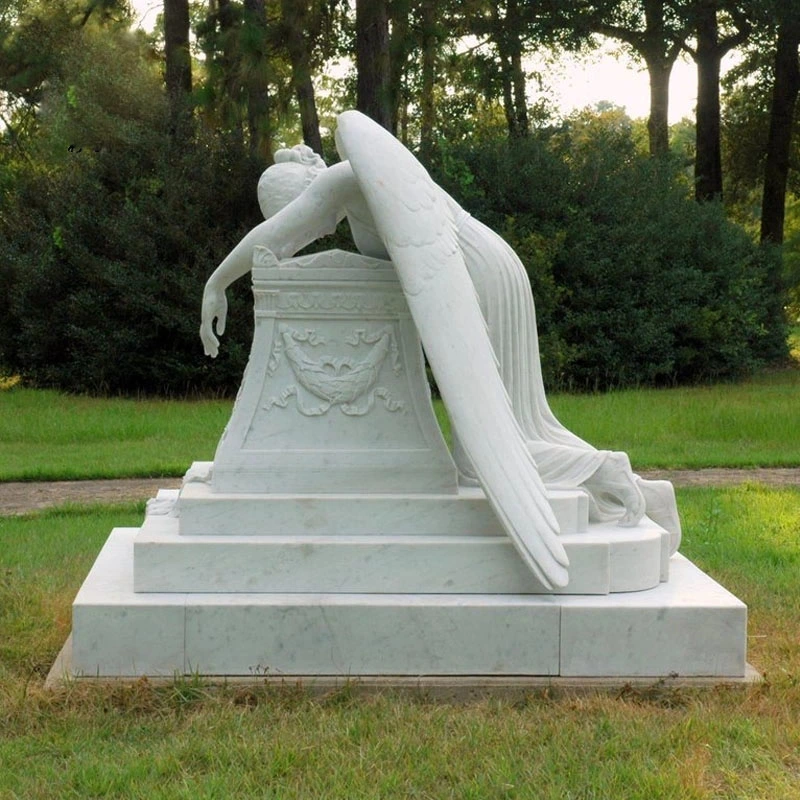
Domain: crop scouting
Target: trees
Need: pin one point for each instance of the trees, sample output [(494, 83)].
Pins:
[(781, 122), (373, 90), (710, 48), (103, 252), (301, 30), (238, 91), (635, 283), (259, 128), (178, 67), (656, 32), (761, 124)]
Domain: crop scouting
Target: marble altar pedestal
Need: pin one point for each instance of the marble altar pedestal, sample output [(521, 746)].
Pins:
[(330, 537)]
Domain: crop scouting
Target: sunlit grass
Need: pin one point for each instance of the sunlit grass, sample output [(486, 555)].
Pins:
[(190, 740), (753, 423), (45, 435), (794, 343)]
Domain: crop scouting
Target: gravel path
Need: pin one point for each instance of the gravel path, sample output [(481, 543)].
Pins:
[(22, 497)]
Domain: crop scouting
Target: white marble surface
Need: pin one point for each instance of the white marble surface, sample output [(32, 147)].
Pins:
[(471, 304), (605, 559), (373, 635), (689, 626), (115, 632), (335, 397), (206, 512)]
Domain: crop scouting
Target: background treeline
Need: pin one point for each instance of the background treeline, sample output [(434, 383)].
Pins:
[(128, 164)]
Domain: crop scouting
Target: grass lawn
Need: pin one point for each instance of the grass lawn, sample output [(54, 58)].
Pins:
[(190, 740), (45, 435), (187, 740), (754, 423)]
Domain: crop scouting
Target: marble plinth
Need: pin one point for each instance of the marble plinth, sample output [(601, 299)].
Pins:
[(334, 397), (465, 512), (605, 559), (690, 626)]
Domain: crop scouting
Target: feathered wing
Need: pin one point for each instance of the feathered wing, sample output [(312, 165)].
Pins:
[(420, 235)]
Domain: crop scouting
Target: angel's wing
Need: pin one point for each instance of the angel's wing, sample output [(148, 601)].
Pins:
[(420, 235)]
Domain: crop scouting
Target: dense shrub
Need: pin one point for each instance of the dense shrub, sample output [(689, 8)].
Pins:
[(106, 264), (105, 250), (103, 255), (634, 282)]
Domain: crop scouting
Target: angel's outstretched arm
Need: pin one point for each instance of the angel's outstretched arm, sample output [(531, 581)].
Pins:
[(315, 213)]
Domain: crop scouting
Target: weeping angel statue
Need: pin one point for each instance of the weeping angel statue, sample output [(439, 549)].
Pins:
[(470, 299)]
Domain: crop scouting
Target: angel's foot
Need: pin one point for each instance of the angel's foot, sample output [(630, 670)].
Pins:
[(615, 478), (662, 508)]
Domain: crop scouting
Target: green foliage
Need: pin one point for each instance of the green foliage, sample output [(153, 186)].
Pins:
[(659, 288), (105, 248), (634, 282)]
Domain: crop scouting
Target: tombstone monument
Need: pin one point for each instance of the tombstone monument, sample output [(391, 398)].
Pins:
[(335, 534)]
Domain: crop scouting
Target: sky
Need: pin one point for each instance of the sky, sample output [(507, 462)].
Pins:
[(608, 75)]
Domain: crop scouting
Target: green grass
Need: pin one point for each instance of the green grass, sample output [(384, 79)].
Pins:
[(45, 435), (753, 423), (189, 740)]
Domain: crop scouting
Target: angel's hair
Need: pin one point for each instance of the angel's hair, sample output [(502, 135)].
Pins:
[(287, 178)]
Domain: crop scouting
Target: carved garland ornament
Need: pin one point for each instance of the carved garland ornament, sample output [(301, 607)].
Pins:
[(336, 380)]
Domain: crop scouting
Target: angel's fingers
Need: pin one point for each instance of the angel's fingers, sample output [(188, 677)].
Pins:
[(210, 342)]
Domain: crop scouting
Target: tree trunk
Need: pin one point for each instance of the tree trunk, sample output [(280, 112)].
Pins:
[(230, 102), (404, 120), (178, 77), (708, 156), (427, 109), (298, 44), (517, 73), (372, 61), (258, 117), (508, 96), (659, 71), (499, 37), (308, 112), (784, 98), (400, 44)]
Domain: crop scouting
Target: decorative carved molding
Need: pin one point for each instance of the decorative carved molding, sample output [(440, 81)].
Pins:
[(353, 302), (310, 337), (336, 380), (335, 259), (265, 299)]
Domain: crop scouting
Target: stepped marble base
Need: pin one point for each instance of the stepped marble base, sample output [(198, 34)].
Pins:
[(373, 544), (690, 626)]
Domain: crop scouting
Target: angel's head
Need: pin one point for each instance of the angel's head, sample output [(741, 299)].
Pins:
[(287, 178)]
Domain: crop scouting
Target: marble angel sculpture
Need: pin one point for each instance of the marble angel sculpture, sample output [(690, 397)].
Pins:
[(470, 299)]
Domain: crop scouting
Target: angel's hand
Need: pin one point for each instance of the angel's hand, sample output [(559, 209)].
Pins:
[(215, 308)]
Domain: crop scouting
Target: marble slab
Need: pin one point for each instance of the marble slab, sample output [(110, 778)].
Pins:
[(115, 632), (373, 635), (689, 626), (204, 511), (607, 559)]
